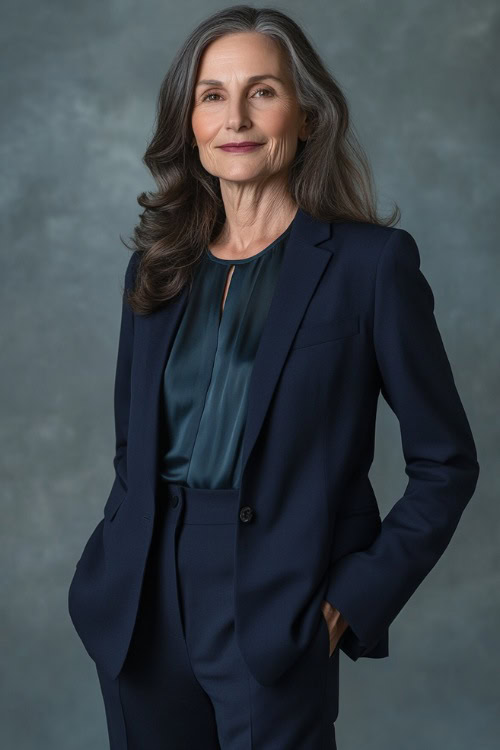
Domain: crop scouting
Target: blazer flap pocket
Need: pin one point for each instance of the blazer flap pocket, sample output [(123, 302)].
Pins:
[(316, 333)]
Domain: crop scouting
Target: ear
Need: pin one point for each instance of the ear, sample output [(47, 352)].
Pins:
[(304, 127)]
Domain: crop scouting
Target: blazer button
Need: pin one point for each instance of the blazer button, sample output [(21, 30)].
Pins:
[(173, 500), (246, 514)]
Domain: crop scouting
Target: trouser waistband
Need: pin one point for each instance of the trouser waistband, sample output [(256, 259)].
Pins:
[(200, 505)]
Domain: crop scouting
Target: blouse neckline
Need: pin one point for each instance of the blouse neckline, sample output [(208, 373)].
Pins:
[(233, 261)]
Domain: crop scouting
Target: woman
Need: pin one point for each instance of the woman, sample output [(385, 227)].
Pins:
[(266, 307)]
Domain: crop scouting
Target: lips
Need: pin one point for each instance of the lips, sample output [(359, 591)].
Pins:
[(241, 148), (240, 145)]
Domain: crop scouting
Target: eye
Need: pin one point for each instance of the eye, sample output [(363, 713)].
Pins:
[(267, 91)]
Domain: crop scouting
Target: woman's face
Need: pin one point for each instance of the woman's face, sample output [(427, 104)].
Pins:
[(235, 109)]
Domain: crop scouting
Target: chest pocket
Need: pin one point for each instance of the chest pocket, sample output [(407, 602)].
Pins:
[(310, 334)]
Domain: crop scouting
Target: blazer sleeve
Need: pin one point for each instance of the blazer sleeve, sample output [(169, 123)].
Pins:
[(370, 587), (122, 376)]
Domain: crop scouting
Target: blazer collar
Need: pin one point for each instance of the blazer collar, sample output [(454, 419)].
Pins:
[(303, 264)]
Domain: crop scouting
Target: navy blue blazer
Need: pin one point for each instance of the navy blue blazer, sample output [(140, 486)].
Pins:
[(352, 316)]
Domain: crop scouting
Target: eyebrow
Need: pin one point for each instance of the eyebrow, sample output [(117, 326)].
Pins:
[(252, 79)]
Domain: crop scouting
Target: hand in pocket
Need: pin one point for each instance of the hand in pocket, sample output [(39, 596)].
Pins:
[(336, 623)]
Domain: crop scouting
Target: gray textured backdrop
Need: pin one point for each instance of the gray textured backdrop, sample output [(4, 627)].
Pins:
[(78, 92)]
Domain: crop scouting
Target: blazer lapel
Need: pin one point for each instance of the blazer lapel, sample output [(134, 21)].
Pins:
[(301, 268)]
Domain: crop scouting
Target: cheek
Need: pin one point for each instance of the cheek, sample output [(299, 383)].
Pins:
[(280, 126), (283, 146), (203, 127), (283, 121)]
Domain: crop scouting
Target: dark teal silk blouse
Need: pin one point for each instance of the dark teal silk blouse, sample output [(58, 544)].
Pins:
[(206, 378)]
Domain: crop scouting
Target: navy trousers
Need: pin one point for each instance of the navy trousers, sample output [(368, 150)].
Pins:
[(184, 684)]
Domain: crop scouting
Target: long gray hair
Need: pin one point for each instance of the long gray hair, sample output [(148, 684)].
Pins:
[(330, 176)]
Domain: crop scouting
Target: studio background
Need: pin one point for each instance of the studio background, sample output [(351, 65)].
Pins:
[(79, 88)]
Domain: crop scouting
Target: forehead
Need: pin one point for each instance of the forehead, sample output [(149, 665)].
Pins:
[(241, 56)]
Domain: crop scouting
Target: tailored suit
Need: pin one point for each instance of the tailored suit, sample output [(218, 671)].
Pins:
[(352, 316)]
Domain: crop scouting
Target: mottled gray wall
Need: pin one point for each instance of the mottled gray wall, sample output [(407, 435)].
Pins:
[(79, 84)]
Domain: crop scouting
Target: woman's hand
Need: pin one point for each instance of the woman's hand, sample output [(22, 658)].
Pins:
[(336, 624)]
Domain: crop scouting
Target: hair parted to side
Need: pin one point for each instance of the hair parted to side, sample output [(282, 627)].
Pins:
[(330, 176)]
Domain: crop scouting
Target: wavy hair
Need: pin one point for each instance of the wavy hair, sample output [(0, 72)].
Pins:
[(329, 177)]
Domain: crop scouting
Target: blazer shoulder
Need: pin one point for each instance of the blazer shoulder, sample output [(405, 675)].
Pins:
[(368, 233), (365, 241), (360, 244)]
